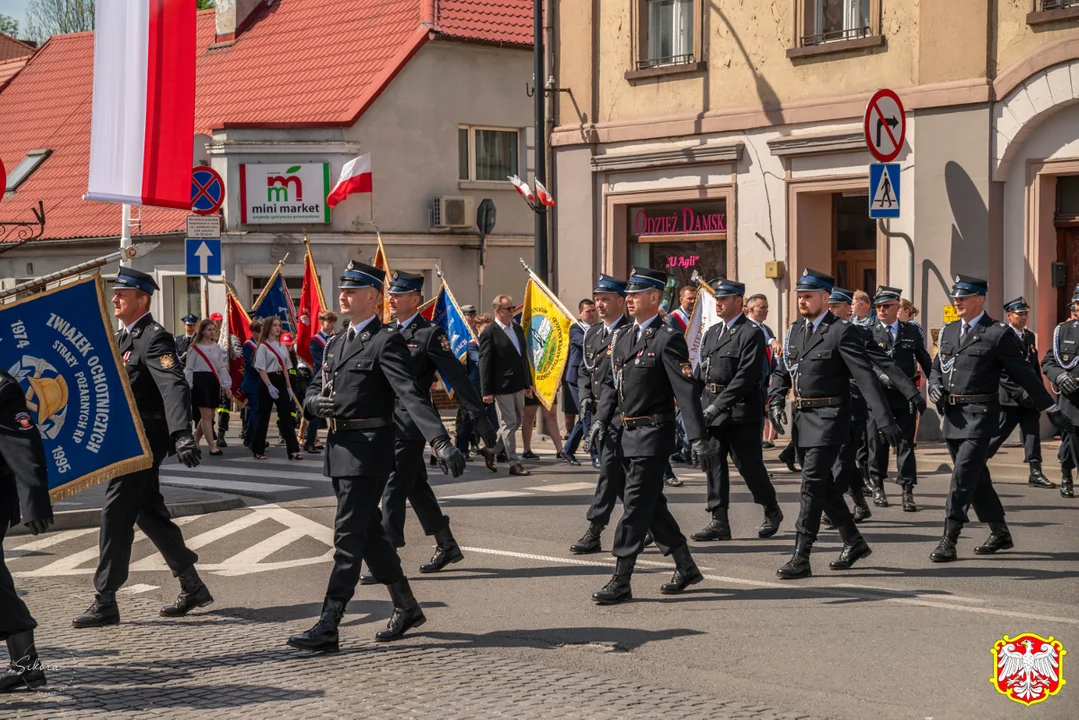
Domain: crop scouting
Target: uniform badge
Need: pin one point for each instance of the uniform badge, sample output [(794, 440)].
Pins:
[(445, 343), (957, 278), (1066, 358), (687, 370), (127, 355), (365, 336), (167, 362), (23, 421), (1028, 669)]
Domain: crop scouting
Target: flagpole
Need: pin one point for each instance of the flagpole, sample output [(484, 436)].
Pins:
[(269, 283), (449, 294), (136, 250), (314, 271), (125, 233)]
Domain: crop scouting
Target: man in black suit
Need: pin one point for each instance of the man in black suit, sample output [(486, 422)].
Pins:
[(24, 480), (505, 377), (366, 371), (730, 373), (822, 355), (1059, 365), (650, 370), (586, 312), (163, 400), (1016, 405), (975, 351), (185, 341)]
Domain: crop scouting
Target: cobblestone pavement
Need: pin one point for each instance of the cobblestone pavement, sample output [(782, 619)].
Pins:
[(214, 666)]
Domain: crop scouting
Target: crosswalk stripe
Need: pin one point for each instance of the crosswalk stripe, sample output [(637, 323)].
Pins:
[(489, 495), (136, 589), (47, 542), (272, 461), (564, 487), (265, 548), (156, 562), (204, 483), (314, 476)]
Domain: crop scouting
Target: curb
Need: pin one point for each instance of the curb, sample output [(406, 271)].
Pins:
[(77, 519), (257, 494)]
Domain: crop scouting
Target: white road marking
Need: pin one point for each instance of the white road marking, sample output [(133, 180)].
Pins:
[(565, 487), (915, 598), (489, 495), (48, 541), (314, 476), (237, 485), (273, 461), (136, 589)]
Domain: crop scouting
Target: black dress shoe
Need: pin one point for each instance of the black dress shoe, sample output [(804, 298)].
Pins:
[(406, 613), (104, 611), (323, 636), (1037, 478), (772, 520), (188, 601), (595, 463), (589, 542), (311, 449), (618, 589), (368, 578), (718, 529), (686, 573), (908, 499), (25, 671), (446, 551), (789, 462), (569, 458), (1066, 489), (862, 511), (880, 499), (798, 566), (529, 455), (999, 539), (648, 539), (945, 551), (852, 552)]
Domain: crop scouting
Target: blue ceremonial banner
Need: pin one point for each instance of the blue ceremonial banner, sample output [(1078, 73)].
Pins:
[(449, 317), (59, 346), (276, 300)]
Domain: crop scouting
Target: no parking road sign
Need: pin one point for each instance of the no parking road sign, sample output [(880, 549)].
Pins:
[(885, 125), (207, 190)]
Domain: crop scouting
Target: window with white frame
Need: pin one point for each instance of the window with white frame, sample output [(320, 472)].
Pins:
[(669, 33), (486, 154), (832, 20)]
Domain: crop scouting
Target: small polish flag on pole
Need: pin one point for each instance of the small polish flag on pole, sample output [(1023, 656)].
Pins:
[(522, 187), (543, 195), (355, 178)]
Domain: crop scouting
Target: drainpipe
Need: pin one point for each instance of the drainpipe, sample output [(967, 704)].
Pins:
[(883, 227)]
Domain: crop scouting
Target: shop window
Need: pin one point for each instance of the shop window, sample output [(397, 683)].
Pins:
[(667, 38), (186, 299), (486, 154), (1067, 200), (687, 240), (825, 26)]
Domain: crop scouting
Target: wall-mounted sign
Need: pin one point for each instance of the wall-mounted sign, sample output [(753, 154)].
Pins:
[(680, 219), (284, 194)]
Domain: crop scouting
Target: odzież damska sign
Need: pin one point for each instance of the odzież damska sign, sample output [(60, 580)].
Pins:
[(678, 219), (284, 194)]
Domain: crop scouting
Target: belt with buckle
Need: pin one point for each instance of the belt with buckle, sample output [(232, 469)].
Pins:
[(803, 403), (360, 423), (647, 420), (715, 388), (971, 399)]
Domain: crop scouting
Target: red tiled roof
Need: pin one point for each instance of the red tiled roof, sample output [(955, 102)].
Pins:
[(298, 63), (12, 48), (11, 68), (506, 22)]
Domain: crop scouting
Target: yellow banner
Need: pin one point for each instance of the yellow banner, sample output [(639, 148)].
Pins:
[(546, 327)]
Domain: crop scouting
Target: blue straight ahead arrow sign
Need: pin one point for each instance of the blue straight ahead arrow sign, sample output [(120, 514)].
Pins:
[(884, 190), (203, 256)]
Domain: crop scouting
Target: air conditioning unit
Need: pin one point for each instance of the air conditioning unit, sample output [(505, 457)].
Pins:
[(453, 211)]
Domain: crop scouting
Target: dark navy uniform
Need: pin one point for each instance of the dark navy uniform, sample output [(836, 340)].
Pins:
[(1060, 367), (163, 400), (820, 359), (650, 371), (429, 348), (904, 344), (24, 481), (732, 356), (184, 342), (366, 370), (965, 385)]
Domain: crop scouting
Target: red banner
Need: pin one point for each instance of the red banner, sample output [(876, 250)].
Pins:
[(311, 305)]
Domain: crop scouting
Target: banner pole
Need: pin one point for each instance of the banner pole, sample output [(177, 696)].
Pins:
[(269, 282), (548, 291), (137, 250), (125, 233)]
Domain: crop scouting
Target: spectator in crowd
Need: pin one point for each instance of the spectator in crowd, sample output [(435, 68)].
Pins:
[(183, 342), (550, 423), (505, 379), (208, 375), (586, 311), (272, 364), (250, 383), (862, 309), (757, 312), (327, 319), (679, 317), (466, 437)]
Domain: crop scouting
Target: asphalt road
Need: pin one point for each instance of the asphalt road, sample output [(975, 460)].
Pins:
[(895, 637)]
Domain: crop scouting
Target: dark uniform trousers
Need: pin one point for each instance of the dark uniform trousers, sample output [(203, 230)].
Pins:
[(611, 485), (1028, 421), (14, 615), (644, 508), (820, 490), (880, 454), (135, 499), (848, 461), (971, 482), (743, 443), (409, 480), (358, 535), (1065, 454)]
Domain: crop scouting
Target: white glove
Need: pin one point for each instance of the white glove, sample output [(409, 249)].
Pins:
[(273, 392)]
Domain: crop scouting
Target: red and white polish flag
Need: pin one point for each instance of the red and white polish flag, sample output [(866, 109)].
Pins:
[(355, 178), (143, 128), (544, 196), (522, 187)]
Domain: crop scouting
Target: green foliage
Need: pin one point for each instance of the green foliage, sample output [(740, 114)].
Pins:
[(9, 26)]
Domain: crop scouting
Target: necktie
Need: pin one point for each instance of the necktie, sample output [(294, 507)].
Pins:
[(122, 337), (351, 334), (637, 334), (605, 333), (809, 333), (965, 330), (891, 333)]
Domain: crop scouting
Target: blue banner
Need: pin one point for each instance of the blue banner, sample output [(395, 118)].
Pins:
[(276, 300), (59, 346), (449, 317)]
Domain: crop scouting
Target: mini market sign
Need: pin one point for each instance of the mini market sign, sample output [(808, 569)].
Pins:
[(284, 194)]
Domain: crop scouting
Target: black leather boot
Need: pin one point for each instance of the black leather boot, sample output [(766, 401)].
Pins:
[(854, 548), (103, 611), (718, 529), (1066, 490), (446, 551), (773, 518), (908, 498), (193, 594), (406, 612), (861, 507), (25, 671), (686, 572), (945, 551), (1000, 538), (1037, 478), (798, 565), (589, 542), (880, 499), (648, 539), (618, 589), (867, 481), (323, 636)]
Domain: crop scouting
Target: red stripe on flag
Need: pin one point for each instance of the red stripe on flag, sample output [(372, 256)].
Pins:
[(357, 184), (170, 105)]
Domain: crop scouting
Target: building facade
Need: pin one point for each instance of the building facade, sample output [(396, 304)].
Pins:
[(716, 138)]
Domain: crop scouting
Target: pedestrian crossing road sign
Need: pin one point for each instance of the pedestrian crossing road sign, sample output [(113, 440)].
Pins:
[(884, 190)]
